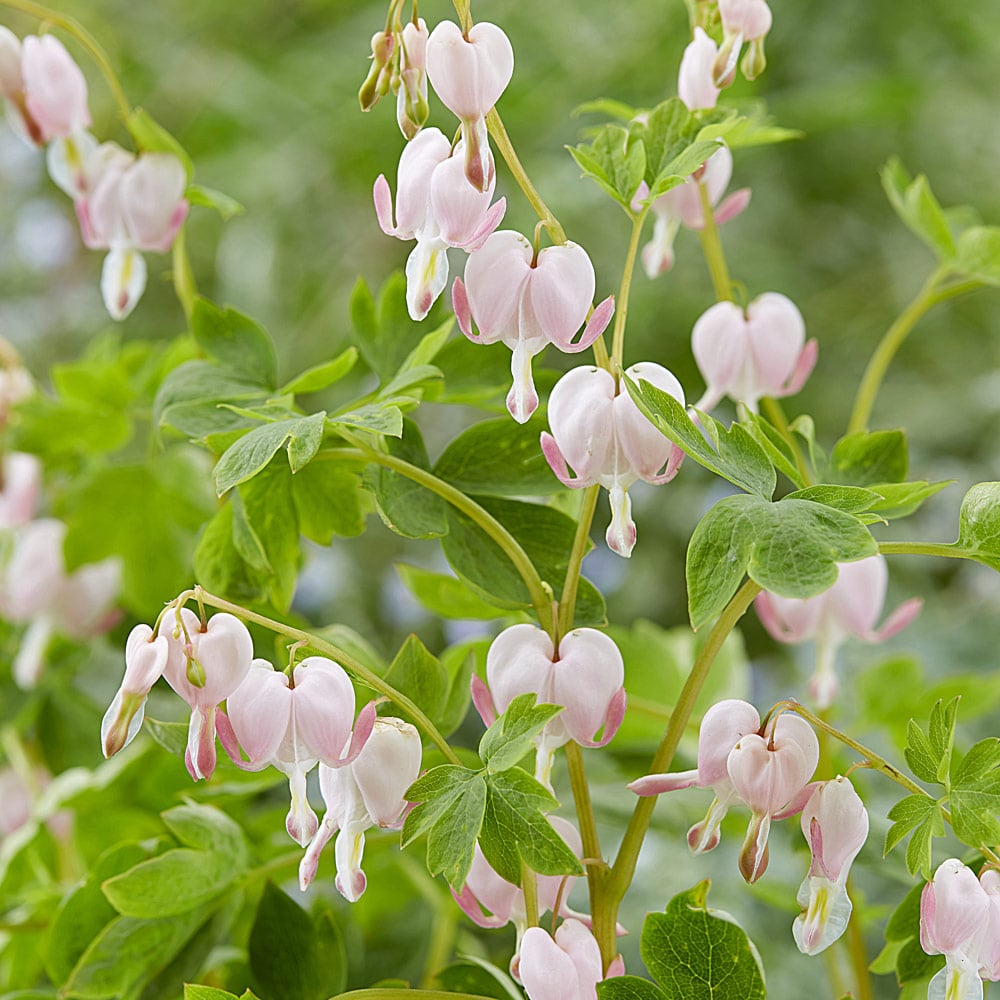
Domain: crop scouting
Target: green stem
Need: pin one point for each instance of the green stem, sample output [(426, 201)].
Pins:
[(605, 908), (597, 870), (859, 954), (506, 149), (712, 248), (441, 944), (944, 549), (86, 39), (567, 602), (774, 412), (621, 306), (463, 8), (929, 296), (185, 286), (540, 596), (529, 886), (360, 671)]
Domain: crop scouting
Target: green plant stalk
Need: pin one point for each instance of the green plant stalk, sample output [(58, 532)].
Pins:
[(360, 671), (597, 870), (605, 907), (621, 306), (711, 246), (945, 550), (775, 412), (506, 149), (929, 296), (86, 39), (858, 954), (529, 886), (185, 286), (540, 597), (567, 602), (441, 943), (463, 8)]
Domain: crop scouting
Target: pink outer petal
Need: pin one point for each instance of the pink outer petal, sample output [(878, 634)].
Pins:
[(55, 89), (458, 209), (719, 345), (896, 622), (388, 763), (469, 74), (775, 335), (789, 619), (561, 289), (259, 711), (483, 700), (493, 894), (612, 720), (803, 369), (582, 417), (558, 464), (722, 727), (417, 164), (546, 971), (587, 680), (491, 220), (596, 325), (645, 450), (471, 907), (496, 276), (153, 205), (695, 86), (657, 784), (855, 601), (519, 662), (731, 206), (953, 909), (230, 743), (323, 707), (383, 206)]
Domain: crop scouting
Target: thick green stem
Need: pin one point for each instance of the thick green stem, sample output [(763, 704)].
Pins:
[(597, 870), (567, 602), (86, 39), (185, 286), (359, 670), (605, 907), (506, 149), (930, 295), (621, 306), (712, 248), (529, 886), (540, 597)]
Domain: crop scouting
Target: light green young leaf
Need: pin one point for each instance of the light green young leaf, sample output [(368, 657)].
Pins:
[(513, 734), (979, 524), (419, 675), (321, 376), (916, 205), (198, 194), (151, 137), (235, 341), (866, 459), (445, 595), (979, 254), (907, 815)]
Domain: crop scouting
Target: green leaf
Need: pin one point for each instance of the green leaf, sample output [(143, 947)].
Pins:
[(790, 548), (628, 988), (695, 953), (459, 661), (979, 524), (301, 437), (515, 828), (513, 734), (285, 951), (975, 810), (452, 802), (907, 815), (477, 977), (151, 137), (235, 341), (446, 596), (922, 817), (206, 828), (406, 507), (849, 499), (328, 500), (942, 736), (195, 992), (916, 205), (864, 459), (736, 455), (982, 758), (902, 499), (979, 254), (777, 449), (499, 458), (220, 569), (419, 675), (752, 126), (613, 161), (198, 194), (321, 376)]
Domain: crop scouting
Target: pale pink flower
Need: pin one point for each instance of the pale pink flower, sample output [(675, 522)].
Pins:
[(568, 967), (586, 678), (742, 21), (752, 353), (835, 823), (696, 79), (205, 665), (682, 206), (436, 206), (411, 100), (145, 659), (295, 727), (722, 727), (528, 301), (850, 607), (469, 72), (599, 432), (19, 489), (368, 792), (55, 91)]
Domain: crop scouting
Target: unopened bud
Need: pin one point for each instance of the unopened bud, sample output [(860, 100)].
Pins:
[(724, 67), (754, 61), (195, 673), (376, 84)]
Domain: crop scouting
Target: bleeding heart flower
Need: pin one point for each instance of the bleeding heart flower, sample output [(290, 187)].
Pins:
[(568, 967), (742, 21), (696, 79), (599, 431), (528, 301), (20, 487), (145, 659)]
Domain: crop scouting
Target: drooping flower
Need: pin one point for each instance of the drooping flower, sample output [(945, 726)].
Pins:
[(437, 206), (722, 727), (682, 206), (849, 608), (528, 301), (568, 967), (835, 823), (752, 353), (365, 793), (959, 918), (469, 72), (599, 432), (411, 101), (205, 665), (20, 487), (585, 677), (130, 205), (145, 659), (295, 727), (696, 78), (742, 21)]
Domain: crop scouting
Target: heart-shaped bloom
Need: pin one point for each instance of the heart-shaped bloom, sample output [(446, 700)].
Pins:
[(436, 206), (145, 658), (568, 967), (770, 773), (851, 607), (528, 301), (742, 21), (469, 72), (682, 206), (295, 727), (835, 823), (599, 432), (19, 489), (722, 727), (205, 665), (696, 79), (753, 353), (960, 918), (130, 205), (412, 108), (55, 91), (367, 792), (586, 678)]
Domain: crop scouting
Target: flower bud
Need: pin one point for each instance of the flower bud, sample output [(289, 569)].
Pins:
[(751, 354), (742, 21), (376, 84), (55, 91), (600, 433), (19, 489), (695, 84), (412, 108), (145, 658)]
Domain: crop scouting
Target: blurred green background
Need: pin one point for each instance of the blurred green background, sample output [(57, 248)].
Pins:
[(263, 95)]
